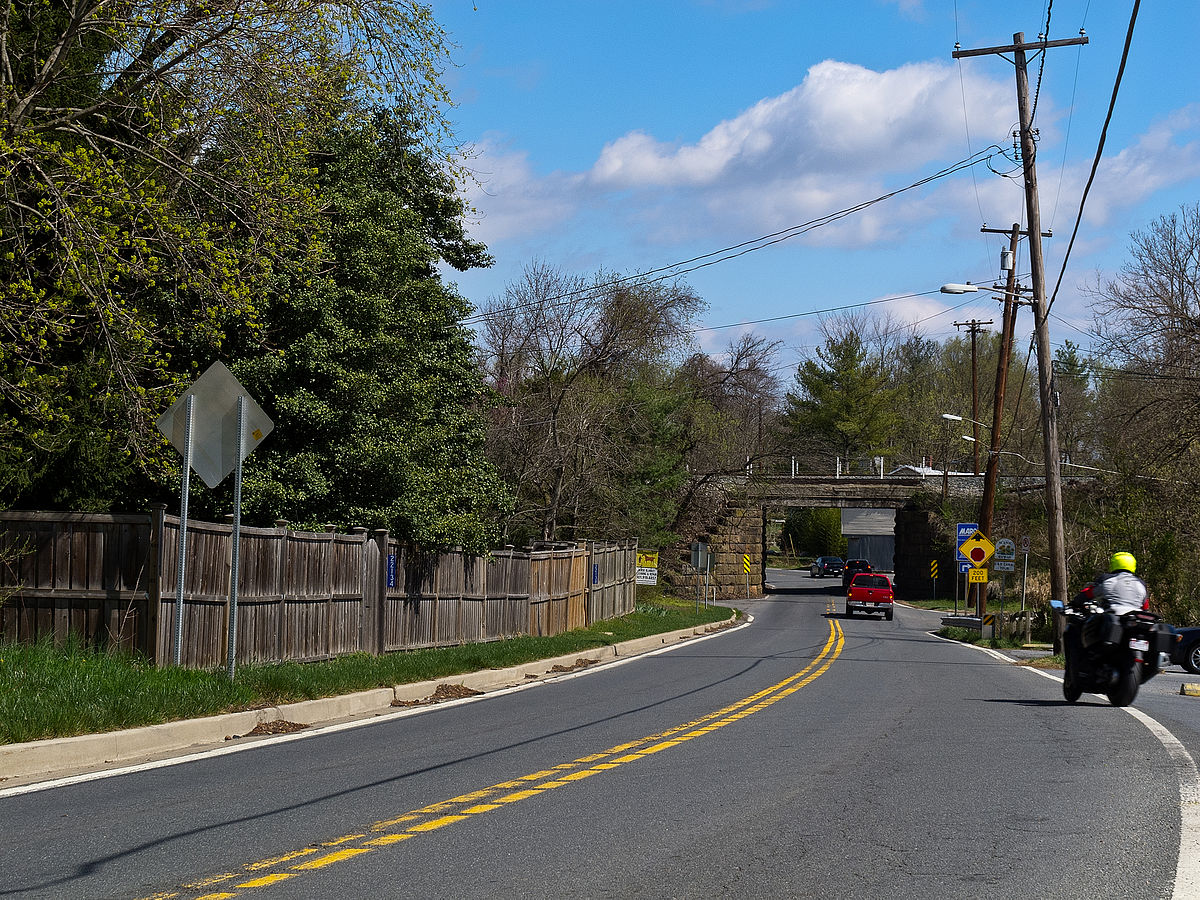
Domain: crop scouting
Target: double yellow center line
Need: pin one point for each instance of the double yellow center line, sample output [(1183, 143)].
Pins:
[(421, 821)]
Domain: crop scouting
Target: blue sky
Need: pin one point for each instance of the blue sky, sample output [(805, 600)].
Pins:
[(627, 136)]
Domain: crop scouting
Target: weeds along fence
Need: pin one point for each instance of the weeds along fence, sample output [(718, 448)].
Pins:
[(111, 580)]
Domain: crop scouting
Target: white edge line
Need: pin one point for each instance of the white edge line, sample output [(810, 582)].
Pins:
[(1187, 866), (356, 723)]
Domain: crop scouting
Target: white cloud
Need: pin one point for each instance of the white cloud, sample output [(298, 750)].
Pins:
[(511, 200), (1162, 157), (842, 119)]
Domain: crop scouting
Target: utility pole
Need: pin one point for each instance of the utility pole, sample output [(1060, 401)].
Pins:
[(974, 326), (1054, 508), (1007, 328), (1007, 334)]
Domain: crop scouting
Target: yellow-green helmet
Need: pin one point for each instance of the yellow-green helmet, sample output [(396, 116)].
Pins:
[(1122, 561)]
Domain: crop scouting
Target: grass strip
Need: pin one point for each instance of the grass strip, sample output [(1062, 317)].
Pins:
[(971, 636), (49, 691)]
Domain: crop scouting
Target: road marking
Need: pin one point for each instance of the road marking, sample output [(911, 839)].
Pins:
[(528, 786), (331, 858), (378, 719), (267, 879), (1187, 865)]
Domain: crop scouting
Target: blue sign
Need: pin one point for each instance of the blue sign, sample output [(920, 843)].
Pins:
[(965, 530), (595, 573), (963, 567), (391, 572)]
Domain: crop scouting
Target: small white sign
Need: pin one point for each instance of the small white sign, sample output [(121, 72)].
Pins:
[(1006, 550), (1003, 565)]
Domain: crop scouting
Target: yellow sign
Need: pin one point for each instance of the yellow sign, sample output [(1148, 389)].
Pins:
[(647, 560), (976, 576), (933, 569), (746, 562), (977, 548)]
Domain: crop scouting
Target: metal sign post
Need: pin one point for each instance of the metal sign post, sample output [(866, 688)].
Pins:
[(177, 635), (231, 643), (1024, 575), (209, 424)]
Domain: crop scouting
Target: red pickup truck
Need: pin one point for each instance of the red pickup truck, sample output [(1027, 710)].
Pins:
[(870, 592)]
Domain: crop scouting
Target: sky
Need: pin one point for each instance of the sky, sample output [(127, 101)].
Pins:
[(625, 137)]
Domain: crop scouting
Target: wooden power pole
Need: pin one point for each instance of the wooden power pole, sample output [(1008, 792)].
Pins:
[(974, 326), (1054, 509)]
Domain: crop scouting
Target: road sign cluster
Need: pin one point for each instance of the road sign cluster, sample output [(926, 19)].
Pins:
[(974, 551)]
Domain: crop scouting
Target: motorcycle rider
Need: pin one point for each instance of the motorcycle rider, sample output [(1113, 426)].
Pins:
[(1121, 591), (1118, 591)]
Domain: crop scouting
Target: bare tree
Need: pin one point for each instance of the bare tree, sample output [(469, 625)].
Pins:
[(561, 350), (1148, 354)]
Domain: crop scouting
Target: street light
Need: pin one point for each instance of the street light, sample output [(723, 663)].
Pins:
[(974, 440), (967, 288), (949, 417)]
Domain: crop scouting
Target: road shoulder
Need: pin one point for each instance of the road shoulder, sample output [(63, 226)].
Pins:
[(37, 761)]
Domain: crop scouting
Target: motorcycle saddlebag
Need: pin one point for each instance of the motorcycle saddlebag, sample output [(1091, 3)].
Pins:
[(1164, 638), (1101, 629)]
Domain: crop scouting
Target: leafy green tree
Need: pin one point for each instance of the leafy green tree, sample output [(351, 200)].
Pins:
[(813, 531), (842, 403), (367, 367), (127, 248)]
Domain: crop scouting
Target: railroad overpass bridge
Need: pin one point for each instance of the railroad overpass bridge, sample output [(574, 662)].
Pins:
[(841, 492), (738, 543)]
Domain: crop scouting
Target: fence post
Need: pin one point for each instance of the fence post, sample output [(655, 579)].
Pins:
[(381, 584), (282, 535)]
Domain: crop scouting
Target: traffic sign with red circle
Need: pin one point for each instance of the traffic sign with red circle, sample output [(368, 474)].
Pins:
[(977, 548)]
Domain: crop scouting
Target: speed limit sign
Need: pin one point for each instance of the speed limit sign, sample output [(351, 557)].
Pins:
[(1025, 544)]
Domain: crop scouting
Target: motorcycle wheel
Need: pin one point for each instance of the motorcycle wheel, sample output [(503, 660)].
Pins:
[(1126, 688), (1072, 690)]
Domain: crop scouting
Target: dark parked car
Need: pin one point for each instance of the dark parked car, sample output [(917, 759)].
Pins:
[(826, 565), (1187, 649), (852, 568)]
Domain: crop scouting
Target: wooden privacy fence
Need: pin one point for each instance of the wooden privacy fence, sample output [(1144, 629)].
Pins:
[(111, 580)]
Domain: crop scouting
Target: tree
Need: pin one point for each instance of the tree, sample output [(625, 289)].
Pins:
[(129, 246), (367, 367), (842, 403), (1148, 321), (582, 363), (1076, 405), (814, 531)]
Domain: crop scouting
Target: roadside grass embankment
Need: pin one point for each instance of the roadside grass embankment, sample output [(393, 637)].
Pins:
[(49, 691)]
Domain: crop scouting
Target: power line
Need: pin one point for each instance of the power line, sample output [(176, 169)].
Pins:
[(1099, 150), (683, 267)]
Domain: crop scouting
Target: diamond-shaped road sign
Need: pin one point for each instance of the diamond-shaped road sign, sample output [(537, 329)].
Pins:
[(977, 548), (214, 423)]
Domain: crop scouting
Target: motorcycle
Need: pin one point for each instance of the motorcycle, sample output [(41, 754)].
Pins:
[(1112, 654)]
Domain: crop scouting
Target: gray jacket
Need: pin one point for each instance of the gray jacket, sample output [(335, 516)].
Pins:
[(1120, 592)]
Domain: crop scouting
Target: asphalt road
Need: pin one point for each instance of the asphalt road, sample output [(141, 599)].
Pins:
[(806, 755)]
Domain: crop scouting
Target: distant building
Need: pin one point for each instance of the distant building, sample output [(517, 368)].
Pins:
[(871, 535)]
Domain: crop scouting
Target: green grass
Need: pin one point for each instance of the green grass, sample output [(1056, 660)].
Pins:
[(971, 636), (787, 561), (48, 691), (941, 605)]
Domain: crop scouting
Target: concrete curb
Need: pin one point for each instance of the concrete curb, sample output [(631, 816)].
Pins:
[(58, 755)]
